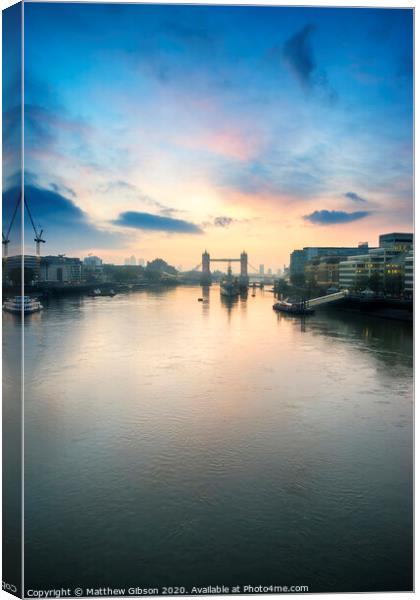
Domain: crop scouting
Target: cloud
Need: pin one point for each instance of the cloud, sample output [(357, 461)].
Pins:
[(186, 33), (128, 190), (147, 221), (63, 189), (63, 222), (355, 197), (223, 221), (333, 217), (299, 57)]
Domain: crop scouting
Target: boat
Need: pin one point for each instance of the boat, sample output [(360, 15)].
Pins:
[(295, 308), (110, 292), (22, 304), (229, 285), (95, 292)]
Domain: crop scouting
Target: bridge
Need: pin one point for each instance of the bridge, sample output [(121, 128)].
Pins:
[(323, 299), (206, 272), (326, 299)]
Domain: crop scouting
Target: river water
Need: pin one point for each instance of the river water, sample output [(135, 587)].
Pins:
[(176, 442)]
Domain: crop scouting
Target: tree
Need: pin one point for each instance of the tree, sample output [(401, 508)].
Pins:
[(394, 284), (158, 265), (297, 279), (361, 283), (375, 282), (282, 286)]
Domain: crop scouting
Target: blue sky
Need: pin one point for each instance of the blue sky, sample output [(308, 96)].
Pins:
[(165, 129)]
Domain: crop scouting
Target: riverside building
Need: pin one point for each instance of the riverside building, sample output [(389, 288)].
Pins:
[(299, 258), (60, 269), (378, 266), (408, 274)]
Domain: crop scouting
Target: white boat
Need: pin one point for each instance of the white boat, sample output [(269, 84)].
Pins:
[(24, 304), (95, 292)]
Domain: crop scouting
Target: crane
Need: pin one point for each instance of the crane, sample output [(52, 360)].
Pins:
[(38, 233), (6, 238)]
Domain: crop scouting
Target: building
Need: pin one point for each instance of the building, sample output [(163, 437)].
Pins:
[(371, 270), (323, 271), (92, 267), (409, 274), (60, 269), (297, 262), (383, 268), (92, 261), (299, 258), (261, 270), (12, 269), (402, 242)]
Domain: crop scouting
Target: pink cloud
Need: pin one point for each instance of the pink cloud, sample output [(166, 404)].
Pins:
[(236, 145)]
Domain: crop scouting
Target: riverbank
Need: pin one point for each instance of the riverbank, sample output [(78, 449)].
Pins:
[(57, 290), (383, 308)]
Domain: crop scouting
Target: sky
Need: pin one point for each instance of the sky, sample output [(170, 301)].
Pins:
[(164, 130)]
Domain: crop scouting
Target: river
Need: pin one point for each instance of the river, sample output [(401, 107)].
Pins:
[(176, 442)]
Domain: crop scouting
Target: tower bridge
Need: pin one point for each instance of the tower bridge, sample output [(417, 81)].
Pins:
[(206, 272)]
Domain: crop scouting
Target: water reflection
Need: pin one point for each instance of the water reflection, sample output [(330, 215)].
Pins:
[(217, 441)]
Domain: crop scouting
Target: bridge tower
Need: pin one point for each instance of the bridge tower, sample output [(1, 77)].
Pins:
[(244, 279), (205, 268)]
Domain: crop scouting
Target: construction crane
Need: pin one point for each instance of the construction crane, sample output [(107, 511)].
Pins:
[(6, 238), (38, 233)]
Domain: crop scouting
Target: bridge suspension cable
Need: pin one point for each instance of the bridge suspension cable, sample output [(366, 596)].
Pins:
[(253, 268)]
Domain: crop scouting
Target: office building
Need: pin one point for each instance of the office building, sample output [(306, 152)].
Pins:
[(299, 258), (12, 269), (371, 269), (60, 269), (409, 273), (402, 242), (323, 271)]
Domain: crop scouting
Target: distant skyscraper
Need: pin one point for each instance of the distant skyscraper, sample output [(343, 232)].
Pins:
[(133, 260), (269, 272), (261, 270), (142, 262), (92, 261)]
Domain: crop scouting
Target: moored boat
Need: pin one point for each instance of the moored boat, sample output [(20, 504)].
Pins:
[(110, 292), (95, 292), (229, 285), (295, 308), (22, 304)]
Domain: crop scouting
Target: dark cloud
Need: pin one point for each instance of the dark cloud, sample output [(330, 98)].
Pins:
[(355, 197), (147, 221), (299, 56), (63, 189), (223, 221), (333, 217), (63, 222)]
